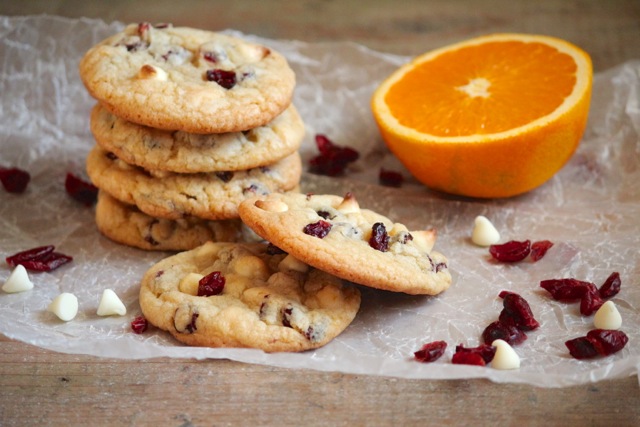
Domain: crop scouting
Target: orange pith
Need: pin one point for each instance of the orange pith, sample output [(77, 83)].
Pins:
[(494, 116)]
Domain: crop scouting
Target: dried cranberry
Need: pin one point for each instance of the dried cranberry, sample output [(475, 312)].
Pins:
[(506, 332), (14, 180), (590, 301), (390, 178), (517, 310), (333, 159), (210, 56), (80, 190), (317, 229), (539, 249), (139, 324), (598, 342), (430, 352), (486, 351), (274, 250), (192, 327), (226, 79), (512, 251), (225, 176), (581, 348), (467, 358), (42, 258), (607, 341), (143, 27), (379, 239), (29, 255), (565, 289), (211, 284), (611, 286)]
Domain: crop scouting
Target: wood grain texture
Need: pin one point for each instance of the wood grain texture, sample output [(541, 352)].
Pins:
[(39, 387)]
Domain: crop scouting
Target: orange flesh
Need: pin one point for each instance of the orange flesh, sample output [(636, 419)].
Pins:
[(429, 98)]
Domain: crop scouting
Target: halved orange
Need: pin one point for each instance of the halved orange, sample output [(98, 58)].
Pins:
[(494, 116)]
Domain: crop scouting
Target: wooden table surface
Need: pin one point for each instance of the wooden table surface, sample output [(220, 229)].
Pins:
[(40, 387)]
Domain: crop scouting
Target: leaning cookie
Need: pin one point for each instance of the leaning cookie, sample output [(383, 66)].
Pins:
[(125, 224), (187, 79), (240, 295), (333, 234), (185, 152), (170, 195)]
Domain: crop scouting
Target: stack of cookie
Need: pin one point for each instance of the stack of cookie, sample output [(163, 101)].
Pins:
[(189, 123)]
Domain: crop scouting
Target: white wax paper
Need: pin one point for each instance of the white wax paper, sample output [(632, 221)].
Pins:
[(589, 210)]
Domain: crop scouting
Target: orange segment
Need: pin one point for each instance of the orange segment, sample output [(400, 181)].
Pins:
[(493, 116)]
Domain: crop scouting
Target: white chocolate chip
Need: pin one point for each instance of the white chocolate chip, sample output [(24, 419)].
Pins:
[(18, 281), (484, 233), (150, 72), (425, 239), (349, 204), (607, 317), (272, 205), (292, 263), (505, 357), (110, 304), (190, 283), (65, 306)]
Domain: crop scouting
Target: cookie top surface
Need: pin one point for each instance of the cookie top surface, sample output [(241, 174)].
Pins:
[(270, 302), (127, 225), (171, 195), (184, 152), (180, 78), (334, 234)]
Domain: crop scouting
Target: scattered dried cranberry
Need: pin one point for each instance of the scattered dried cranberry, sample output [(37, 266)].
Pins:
[(581, 348), (512, 251), (390, 178), (274, 250), (139, 324), (506, 332), (14, 180), (430, 352), (42, 258), (80, 190), (379, 239), (539, 249), (517, 310), (598, 342), (467, 358), (590, 301), (211, 284), (333, 159), (226, 79), (317, 229), (565, 289), (486, 351), (611, 286)]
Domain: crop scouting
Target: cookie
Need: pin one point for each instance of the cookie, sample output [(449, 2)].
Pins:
[(127, 225), (257, 299), (335, 235), (183, 152), (179, 78), (169, 195)]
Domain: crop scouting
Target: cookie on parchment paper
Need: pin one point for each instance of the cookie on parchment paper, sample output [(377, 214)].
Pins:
[(212, 196), (184, 152), (267, 301), (180, 78), (335, 235)]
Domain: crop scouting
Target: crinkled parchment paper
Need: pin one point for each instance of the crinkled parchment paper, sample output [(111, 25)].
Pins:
[(590, 209)]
